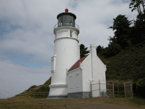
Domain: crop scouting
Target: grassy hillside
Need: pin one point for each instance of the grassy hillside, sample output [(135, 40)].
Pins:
[(129, 64), (37, 89)]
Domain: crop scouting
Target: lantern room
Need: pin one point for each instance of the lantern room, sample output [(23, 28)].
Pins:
[(66, 19)]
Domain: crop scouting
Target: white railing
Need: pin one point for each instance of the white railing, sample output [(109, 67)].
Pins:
[(56, 26)]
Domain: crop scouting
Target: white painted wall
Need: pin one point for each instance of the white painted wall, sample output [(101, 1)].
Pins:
[(98, 87), (99, 68), (74, 80), (53, 63), (67, 53), (98, 71), (59, 89), (92, 70), (86, 72)]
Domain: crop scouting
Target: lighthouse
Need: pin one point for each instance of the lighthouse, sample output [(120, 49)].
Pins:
[(66, 53), (73, 77)]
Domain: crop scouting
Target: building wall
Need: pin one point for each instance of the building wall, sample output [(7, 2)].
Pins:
[(66, 53), (58, 91), (75, 85), (86, 73), (93, 72), (74, 80), (93, 81), (98, 88), (98, 71)]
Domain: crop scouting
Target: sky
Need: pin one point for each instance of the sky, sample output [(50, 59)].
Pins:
[(27, 39)]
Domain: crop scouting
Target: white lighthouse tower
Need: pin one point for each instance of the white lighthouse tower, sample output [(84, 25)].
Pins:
[(66, 53)]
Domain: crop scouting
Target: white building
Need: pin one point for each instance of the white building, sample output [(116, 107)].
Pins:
[(71, 76)]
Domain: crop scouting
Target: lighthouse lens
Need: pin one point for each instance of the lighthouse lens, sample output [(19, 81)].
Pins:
[(66, 20)]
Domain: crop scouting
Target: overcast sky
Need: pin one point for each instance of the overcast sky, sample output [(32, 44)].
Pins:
[(27, 39)]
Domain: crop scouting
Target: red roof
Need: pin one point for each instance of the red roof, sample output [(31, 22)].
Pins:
[(77, 64)]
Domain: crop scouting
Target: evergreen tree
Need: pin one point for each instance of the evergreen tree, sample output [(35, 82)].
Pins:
[(137, 31), (99, 49), (121, 25), (136, 4), (83, 51)]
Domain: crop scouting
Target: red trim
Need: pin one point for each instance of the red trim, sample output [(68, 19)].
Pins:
[(77, 64)]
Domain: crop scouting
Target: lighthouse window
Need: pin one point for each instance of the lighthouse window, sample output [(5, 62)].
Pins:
[(71, 24), (70, 33)]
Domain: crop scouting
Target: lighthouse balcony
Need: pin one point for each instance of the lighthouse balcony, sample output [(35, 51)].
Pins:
[(66, 25)]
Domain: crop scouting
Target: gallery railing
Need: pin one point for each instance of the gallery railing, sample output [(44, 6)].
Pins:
[(69, 25)]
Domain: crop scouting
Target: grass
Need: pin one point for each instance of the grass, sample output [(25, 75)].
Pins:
[(69, 103), (119, 95)]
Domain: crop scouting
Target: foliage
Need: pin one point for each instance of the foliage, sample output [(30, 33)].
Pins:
[(83, 51), (48, 82), (137, 31), (31, 87), (140, 82), (136, 5), (128, 64), (111, 50), (121, 25), (99, 49), (124, 55), (42, 88), (125, 35)]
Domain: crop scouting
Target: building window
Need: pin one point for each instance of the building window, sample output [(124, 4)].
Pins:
[(70, 33)]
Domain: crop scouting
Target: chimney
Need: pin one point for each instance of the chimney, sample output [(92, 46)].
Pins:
[(93, 49), (93, 57)]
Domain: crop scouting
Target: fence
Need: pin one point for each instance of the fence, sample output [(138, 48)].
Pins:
[(112, 89), (99, 89), (35, 94)]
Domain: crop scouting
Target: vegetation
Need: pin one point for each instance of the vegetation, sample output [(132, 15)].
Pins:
[(42, 90), (83, 51), (125, 54), (75, 103)]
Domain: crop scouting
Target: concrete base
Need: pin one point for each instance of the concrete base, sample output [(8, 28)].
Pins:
[(79, 95), (56, 97)]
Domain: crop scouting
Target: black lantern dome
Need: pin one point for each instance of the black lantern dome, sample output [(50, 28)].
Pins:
[(66, 19)]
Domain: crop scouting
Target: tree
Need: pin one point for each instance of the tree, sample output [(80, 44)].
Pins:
[(83, 51), (100, 49), (112, 50), (121, 25), (137, 31), (120, 22), (136, 4)]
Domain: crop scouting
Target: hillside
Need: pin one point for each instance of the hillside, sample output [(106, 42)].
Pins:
[(37, 89), (129, 64), (126, 65)]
